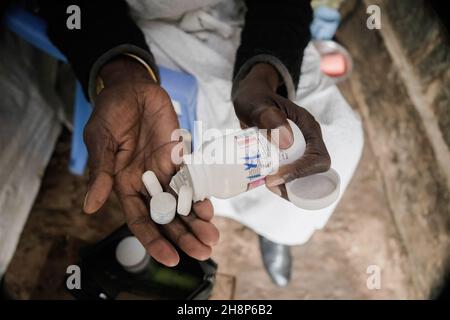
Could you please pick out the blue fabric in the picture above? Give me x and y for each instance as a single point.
(32, 29)
(181, 87)
(325, 23)
(78, 151)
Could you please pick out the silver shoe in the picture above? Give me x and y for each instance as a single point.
(277, 261)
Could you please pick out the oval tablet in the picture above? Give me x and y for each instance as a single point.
(184, 200)
(162, 208)
(151, 183)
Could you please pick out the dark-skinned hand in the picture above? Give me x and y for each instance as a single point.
(128, 133)
(257, 103)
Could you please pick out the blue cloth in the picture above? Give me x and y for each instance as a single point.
(325, 23)
(32, 29)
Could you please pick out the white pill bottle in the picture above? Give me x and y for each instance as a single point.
(235, 163)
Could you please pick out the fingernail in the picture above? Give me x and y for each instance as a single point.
(85, 200)
(286, 137)
(275, 190)
(274, 182)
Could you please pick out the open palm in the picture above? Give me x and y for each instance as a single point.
(129, 133)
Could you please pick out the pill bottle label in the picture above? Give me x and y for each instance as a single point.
(254, 152)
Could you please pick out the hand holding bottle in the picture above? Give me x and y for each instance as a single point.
(257, 103)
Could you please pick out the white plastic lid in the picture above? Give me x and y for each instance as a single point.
(314, 192)
(162, 207)
(131, 254)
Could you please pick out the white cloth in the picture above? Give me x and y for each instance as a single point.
(179, 42)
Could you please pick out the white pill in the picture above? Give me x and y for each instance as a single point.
(184, 200)
(162, 207)
(131, 255)
(151, 183)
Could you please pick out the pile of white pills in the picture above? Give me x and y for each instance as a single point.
(163, 205)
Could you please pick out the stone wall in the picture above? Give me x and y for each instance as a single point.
(401, 82)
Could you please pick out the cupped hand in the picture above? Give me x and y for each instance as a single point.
(128, 133)
(257, 103)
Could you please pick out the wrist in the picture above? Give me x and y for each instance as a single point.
(124, 69)
(262, 75)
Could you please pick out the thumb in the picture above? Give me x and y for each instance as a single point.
(307, 165)
(315, 159)
(101, 150)
(273, 118)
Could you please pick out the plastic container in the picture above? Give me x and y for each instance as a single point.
(235, 163)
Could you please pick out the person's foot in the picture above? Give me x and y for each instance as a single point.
(277, 261)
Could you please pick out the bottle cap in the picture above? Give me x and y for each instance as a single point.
(131, 255)
(316, 191)
(162, 207)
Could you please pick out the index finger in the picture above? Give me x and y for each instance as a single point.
(145, 230)
(316, 158)
(204, 210)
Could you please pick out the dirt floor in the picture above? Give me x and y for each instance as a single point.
(332, 265)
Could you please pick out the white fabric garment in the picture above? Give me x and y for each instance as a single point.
(179, 42)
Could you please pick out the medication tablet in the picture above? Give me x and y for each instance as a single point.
(184, 200)
(131, 255)
(162, 208)
(151, 183)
